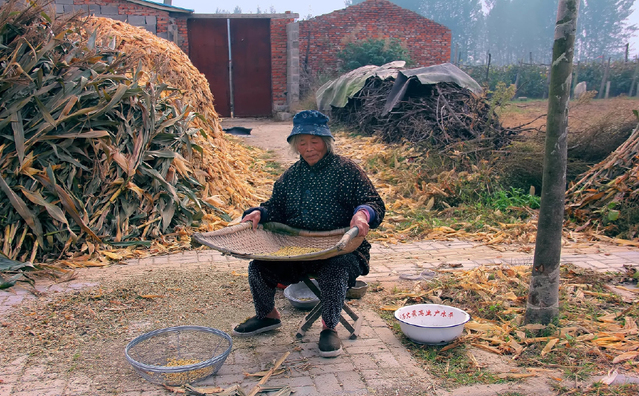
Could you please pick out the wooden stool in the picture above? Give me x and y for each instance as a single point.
(316, 312)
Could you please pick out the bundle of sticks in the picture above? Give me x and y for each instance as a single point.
(440, 115)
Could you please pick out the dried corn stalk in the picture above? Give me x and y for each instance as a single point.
(88, 154)
(608, 186)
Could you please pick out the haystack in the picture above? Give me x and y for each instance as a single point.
(225, 170)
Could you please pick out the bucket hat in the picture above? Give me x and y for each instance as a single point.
(310, 122)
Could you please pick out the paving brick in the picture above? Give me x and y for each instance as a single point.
(47, 387)
(243, 356)
(161, 259)
(78, 385)
(14, 300)
(354, 350)
(364, 362)
(153, 393)
(16, 366)
(351, 382)
(293, 382)
(225, 380)
(229, 369)
(5, 389)
(41, 392)
(385, 334)
(306, 391)
(369, 375)
(331, 367)
(386, 360)
(327, 384)
(373, 320)
(6, 379)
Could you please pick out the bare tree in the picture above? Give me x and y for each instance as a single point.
(543, 296)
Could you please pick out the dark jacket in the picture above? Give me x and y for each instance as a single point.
(324, 197)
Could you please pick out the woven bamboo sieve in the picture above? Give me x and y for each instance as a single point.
(243, 242)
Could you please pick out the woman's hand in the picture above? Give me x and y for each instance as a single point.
(360, 220)
(254, 217)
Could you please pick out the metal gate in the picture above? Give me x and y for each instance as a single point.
(239, 76)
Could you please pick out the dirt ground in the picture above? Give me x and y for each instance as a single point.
(581, 114)
(266, 134)
(83, 332)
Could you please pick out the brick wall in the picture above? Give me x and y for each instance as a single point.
(322, 37)
(278, 62)
(152, 19)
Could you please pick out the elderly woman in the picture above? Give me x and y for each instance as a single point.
(322, 191)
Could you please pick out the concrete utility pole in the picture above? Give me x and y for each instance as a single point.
(543, 296)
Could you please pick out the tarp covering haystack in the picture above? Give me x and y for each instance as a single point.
(108, 139)
(439, 105)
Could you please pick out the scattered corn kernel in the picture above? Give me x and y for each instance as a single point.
(293, 251)
(186, 376)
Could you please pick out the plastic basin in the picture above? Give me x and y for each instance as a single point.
(301, 296)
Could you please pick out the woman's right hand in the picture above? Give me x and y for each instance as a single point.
(254, 217)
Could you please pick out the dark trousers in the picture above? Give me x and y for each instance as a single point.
(333, 275)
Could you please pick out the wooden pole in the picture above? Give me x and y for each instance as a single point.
(517, 78)
(575, 81)
(604, 79)
(488, 67)
(634, 78)
(455, 54)
(627, 49)
(547, 88)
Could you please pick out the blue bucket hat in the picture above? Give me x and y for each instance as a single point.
(310, 122)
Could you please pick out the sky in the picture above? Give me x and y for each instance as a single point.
(319, 7)
(301, 7)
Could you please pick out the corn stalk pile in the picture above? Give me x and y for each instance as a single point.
(611, 185)
(595, 323)
(226, 169)
(440, 115)
(409, 189)
(89, 154)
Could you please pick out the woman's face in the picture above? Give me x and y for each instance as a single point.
(312, 148)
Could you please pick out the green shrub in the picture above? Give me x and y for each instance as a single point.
(515, 197)
(371, 52)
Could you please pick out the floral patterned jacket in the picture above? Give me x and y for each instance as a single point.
(324, 197)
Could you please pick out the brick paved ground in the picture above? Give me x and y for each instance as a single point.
(375, 363)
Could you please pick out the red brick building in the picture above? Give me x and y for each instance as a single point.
(258, 85)
(267, 51)
(164, 20)
(321, 38)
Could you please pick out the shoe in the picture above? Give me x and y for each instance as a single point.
(252, 326)
(329, 344)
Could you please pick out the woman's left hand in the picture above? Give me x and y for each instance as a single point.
(360, 221)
